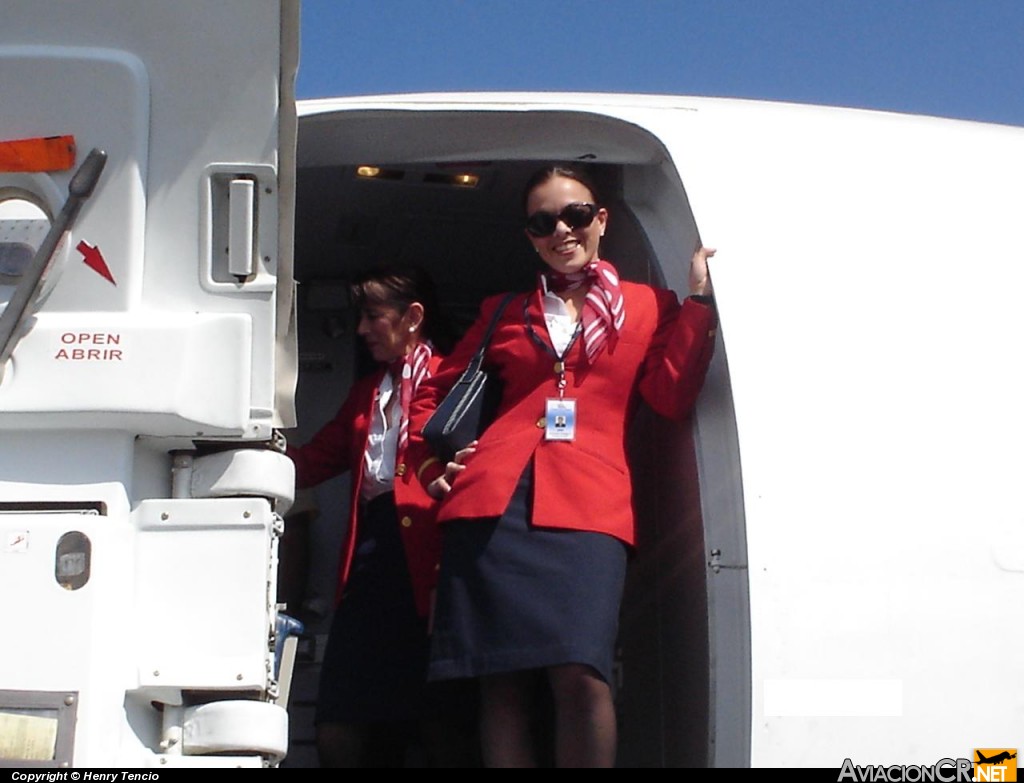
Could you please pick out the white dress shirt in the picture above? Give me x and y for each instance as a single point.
(382, 443)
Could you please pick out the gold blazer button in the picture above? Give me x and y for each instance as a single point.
(406, 521)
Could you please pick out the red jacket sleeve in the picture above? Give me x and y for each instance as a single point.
(675, 366)
(334, 449)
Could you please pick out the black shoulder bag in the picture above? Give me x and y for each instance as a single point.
(470, 406)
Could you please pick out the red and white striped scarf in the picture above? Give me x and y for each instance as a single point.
(415, 367)
(603, 310)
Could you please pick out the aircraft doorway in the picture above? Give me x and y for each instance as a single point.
(683, 669)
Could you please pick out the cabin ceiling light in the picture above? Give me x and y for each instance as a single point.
(376, 172)
(462, 180)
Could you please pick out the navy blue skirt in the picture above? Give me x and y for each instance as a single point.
(512, 596)
(374, 666)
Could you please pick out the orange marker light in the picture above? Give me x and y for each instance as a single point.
(52, 153)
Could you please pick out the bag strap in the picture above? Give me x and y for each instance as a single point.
(478, 357)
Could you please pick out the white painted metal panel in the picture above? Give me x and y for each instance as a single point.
(158, 374)
(101, 96)
(184, 638)
(170, 95)
(868, 282)
(125, 364)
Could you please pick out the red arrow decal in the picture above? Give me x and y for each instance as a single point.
(94, 260)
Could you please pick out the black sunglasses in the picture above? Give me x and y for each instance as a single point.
(578, 215)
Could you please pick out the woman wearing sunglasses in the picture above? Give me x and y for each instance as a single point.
(372, 703)
(536, 515)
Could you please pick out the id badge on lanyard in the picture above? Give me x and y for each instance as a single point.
(561, 419)
(560, 411)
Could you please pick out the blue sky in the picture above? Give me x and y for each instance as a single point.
(950, 58)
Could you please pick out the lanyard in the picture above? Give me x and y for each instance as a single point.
(559, 366)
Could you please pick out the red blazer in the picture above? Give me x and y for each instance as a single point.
(338, 447)
(661, 355)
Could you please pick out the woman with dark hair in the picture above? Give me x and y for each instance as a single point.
(537, 514)
(372, 701)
